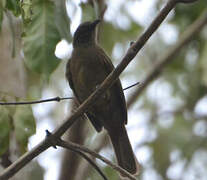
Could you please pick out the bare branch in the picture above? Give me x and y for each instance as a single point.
(90, 161)
(131, 86)
(186, 37)
(70, 145)
(36, 102)
(100, 142)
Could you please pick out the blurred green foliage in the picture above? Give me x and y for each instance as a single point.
(62, 21)
(110, 35)
(88, 13)
(24, 126)
(40, 39)
(203, 65)
(185, 15)
(26, 10)
(5, 129)
(14, 6)
(2, 5)
(173, 123)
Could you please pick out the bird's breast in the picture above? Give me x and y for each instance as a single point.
(87, 75)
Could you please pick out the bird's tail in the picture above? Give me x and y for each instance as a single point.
(124, 152)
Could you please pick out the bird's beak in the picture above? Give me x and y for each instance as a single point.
(94, 23)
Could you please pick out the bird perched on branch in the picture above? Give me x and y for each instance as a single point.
(86, 70)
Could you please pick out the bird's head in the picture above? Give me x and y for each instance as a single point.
(85, 35)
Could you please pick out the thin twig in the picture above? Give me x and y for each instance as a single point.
(135, 84)
(131, 53)
(58, 99)
(70, 145)
(90, 161)
(36, 102)
(169, 56)
(101, 142)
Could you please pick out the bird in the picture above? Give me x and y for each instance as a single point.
(87, 68)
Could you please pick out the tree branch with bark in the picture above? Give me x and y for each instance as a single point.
(108, 82)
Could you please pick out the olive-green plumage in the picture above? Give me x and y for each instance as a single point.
(85, 71)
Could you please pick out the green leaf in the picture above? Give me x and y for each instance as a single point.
(2, 5)
(203, 64)
(5, 128)
(116, 35)
(62, 20)
(88, 13)
(92, 10)
(26, 7)
(1, 17)
(185, 15)
(40, 39)
(14, 6)
(24, 126)
(110, 173)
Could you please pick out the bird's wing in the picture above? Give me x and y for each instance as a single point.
(98, 126)
(69, 76)
(117, 85)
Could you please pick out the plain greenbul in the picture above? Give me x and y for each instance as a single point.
(86, 70)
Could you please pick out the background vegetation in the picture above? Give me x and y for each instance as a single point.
(167, 122)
